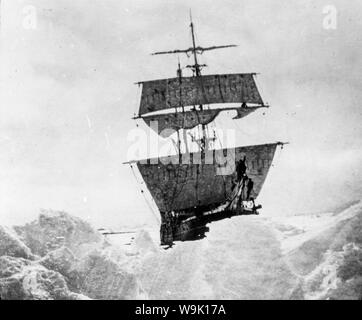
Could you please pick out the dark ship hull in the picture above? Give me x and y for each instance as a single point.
(191, 195)
(182, 228)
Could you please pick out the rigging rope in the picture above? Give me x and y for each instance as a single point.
(143, 193)
(223, 178)
(139, 93)
(277, 156)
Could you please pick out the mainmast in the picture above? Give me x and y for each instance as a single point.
(195, 50)
(197, 69)
(192, 93)
(196, 66)
(179, 76)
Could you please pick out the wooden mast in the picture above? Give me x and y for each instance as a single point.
(197, 69)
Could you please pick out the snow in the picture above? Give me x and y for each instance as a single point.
(293, 231)
(315, 256)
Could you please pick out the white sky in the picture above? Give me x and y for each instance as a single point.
(67, 96)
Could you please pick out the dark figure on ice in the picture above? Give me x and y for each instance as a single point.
(167, 228)
(241, 169)
(249, 187)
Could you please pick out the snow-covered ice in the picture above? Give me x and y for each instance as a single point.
(246, 257)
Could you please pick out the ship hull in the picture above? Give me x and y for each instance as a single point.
(195, 227)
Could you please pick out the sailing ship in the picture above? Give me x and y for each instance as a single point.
(194, 187)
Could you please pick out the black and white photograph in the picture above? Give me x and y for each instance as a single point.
(180, 150)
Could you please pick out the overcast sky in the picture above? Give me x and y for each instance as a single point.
(67, 96)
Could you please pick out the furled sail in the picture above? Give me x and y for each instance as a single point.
(166, 124)
(191, 91)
